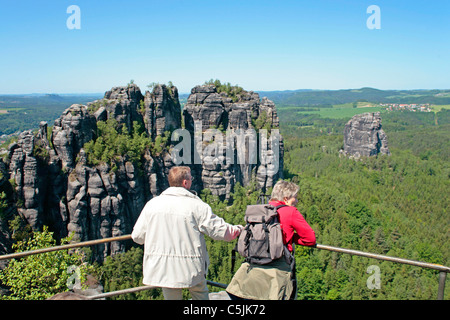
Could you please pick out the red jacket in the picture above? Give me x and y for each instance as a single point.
(295, 228)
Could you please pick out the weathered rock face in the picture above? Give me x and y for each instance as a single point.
(122, 104)
(363, 136)
(71, 131)
(53, 184)
(5, 236)
(26, 174)
(101, 203)
(162, 110)
(207, 110)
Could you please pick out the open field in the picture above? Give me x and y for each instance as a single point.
(345, 110)
(338, 111)
(437, 108)
(5, 110)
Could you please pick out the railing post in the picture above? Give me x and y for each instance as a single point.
(442, 278)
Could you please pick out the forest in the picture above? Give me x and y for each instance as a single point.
(24, 112)
(395, 205)
(315, 97)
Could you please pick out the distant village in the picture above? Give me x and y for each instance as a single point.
(408, 107)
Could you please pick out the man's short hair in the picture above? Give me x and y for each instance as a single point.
(178, 174)
(284, 189)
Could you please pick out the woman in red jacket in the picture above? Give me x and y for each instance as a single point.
(276, 280)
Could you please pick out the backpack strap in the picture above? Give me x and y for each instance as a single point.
(288, 256)
(233, 257)
(235, 249)
(280, 206)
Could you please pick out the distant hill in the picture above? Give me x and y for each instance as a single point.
(45, 100)
(19, 112)
(322, 97)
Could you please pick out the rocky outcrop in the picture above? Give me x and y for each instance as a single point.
(71, 131)
(162, 110)
(53, 183)
(364, 137)
(5, 213)
(122, 104)
(55, 186)
(27, 178)
(100, 202)
(81, 291)
(241, 119)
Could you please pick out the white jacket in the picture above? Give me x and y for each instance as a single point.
(171, 227)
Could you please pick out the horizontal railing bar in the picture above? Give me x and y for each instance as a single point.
(318, 246)
(421, 264)
(119, 292)
(217, 284)
(64, 247)
(385, 258)
(143, 288)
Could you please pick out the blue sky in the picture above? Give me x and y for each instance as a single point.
(260, 45)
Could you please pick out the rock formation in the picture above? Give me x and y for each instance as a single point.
(206, 108)
(5, 213)
(53, 183)
(363, 136)
(162, 110)
(27, 177)
(71, 131)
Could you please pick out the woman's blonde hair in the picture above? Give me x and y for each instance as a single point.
(284, 189)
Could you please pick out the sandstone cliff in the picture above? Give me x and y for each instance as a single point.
(53, 183)
(363, 136)
(5, 213)
(214, 110)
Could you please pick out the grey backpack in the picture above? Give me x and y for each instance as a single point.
(261, 241)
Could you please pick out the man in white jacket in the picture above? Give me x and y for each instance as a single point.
(172, 227)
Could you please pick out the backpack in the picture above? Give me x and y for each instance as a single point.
(261, 241)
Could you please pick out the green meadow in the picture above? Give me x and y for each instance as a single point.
(338, 111)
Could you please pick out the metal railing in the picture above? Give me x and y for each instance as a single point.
(443, 270)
